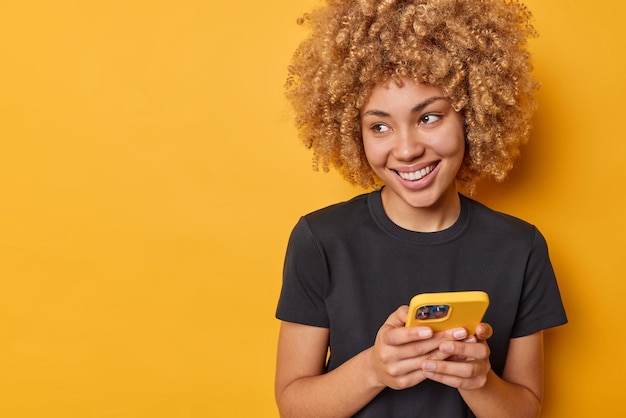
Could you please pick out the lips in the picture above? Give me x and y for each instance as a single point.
(417, 174)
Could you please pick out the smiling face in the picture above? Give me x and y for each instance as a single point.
(414, 142)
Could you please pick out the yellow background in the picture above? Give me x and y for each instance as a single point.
(150, 175)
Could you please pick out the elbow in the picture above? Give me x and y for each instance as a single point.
(286, 409)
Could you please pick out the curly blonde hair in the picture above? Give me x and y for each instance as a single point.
(474, 50)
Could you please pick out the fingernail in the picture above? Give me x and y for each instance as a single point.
(459, 334)
(425, 333)
(428, 366)
(447, 347)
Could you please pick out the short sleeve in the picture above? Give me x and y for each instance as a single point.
(305, 278)
(540, 306)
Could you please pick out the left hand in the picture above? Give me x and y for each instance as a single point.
(468, 364)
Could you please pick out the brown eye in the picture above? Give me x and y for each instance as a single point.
(429, 118)
(379, 128)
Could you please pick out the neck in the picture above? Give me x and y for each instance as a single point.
(431, 218)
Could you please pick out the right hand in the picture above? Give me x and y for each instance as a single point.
(399, 351)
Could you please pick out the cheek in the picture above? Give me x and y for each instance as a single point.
(452, 145)
(452, 138)
(374, 153)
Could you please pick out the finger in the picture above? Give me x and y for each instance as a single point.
(398, 318)
(456, 381)
(394, 331)
(483, 331)
(417, 341)
(408, 372)
(397, 336)
(405, 375)
(453, 334)
(465, 350)
(401, 336)
(412, 363)
(452, 372)
(407, 358)
(421, 350)
(463, 370)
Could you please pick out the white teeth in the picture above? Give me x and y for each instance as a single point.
(416, 175)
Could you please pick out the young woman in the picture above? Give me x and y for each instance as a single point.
(418, 99)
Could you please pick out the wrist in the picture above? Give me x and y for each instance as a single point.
(372, 377)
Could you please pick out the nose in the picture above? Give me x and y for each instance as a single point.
(408, 146)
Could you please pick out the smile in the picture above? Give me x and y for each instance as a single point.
(416, 175)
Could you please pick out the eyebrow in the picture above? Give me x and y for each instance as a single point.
(416, 108)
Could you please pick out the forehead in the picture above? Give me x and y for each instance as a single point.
(389, 95)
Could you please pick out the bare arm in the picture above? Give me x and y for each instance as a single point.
(302, 387)
(517, 394)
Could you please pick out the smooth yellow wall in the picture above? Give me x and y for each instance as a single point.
(150, 176)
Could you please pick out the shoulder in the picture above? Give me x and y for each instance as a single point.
(340, 209)
(498, 220)
(339, 221)
(503, 227)
(340, 215)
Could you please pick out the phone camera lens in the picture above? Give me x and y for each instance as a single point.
(440, 311)
(423, 312)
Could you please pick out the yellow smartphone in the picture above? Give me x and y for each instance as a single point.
(441, 311)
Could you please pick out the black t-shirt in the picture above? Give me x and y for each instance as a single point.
(348, 267)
